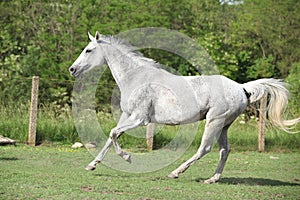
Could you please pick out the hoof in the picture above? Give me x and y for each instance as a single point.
(90, 168)
(210, 181)
(127, 158)
(213, 179)
(173, 176)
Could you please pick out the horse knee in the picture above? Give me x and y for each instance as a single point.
(224, 152)
(113, 134)
(208, 149)
(203, 151)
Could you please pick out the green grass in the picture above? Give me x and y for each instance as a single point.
(57, 172)
(55, 124)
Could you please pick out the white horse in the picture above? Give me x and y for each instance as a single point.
(151, 94)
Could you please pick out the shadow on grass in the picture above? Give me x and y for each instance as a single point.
(112, 175)
(8, 159)
(253, 182)
(154, 178)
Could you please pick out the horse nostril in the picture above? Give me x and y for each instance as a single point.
(72, 70)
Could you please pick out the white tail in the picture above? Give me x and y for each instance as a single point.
(277, 102)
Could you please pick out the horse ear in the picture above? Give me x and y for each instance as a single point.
(100, 38)
(97, 36)
(91, 37)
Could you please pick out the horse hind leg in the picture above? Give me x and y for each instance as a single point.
(212, 130)
(224, 152)
(91, 166)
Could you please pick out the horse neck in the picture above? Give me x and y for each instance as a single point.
(124, 66)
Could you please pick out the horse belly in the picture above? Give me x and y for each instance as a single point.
(171, 112)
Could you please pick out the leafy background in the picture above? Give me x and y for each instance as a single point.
(250, 40)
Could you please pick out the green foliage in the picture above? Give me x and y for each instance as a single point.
(269, 31)
(54, 124)
(255, 39)
(294, 81)
(247, 41)
(262, 68)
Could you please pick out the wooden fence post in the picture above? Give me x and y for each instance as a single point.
(149, 136)
(33, 111)
(262, 123)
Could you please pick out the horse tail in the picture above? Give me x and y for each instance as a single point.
(278, 100)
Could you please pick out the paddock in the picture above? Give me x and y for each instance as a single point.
(57, 172)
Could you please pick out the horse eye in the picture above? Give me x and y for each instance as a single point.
(88, 51)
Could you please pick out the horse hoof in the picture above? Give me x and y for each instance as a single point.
(210, 181)
(127, 158)
(213, 179)
(90, 168)
(173, 176)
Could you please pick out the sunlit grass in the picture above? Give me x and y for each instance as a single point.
(55, 124)
(51, 125)
(57, 172)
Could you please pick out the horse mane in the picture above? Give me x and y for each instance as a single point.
(130, 50)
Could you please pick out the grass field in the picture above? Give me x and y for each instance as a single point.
(57, 172)
(56, 125)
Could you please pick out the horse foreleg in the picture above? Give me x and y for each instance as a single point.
(100, 156)
(126, 123)
(111, 140)
(224, 152)
(114, 134)
(212, 130)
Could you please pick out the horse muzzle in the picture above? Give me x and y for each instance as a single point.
(73, 71)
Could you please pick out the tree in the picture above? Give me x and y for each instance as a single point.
(250, 40)
(269, 31)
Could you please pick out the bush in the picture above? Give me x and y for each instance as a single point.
(294, 87)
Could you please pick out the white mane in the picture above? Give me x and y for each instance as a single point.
(130, 51)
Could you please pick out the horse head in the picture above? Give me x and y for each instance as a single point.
(92, 56)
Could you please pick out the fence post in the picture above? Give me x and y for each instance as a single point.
(149, 136)
(262, 123)
(33, 111)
